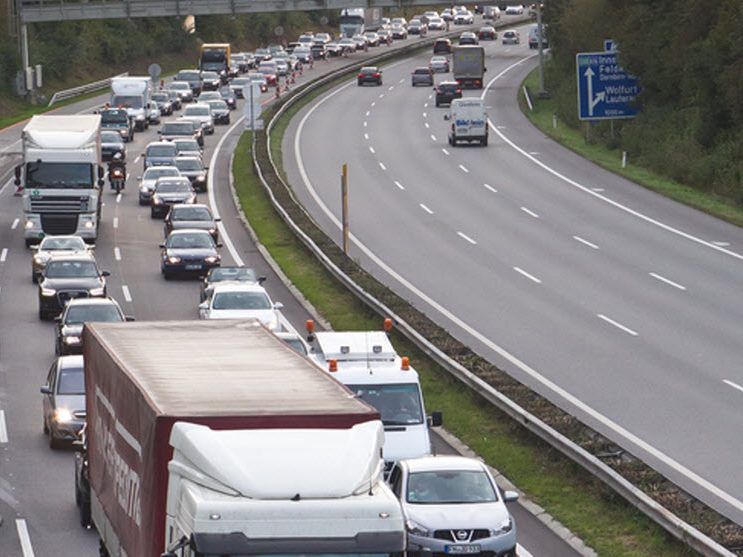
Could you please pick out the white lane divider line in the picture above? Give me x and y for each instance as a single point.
(118, 198)
(382, 166)
(127, 294)
(426, 209)
(24, 538)
(116, 222)
(15, 224)
(136, 160)
(381, 95)
(616, 324)
(399, 185)
(433, 137)
(3, 255)
(531, 277)
(464, 168)
(430, 96)
(729, 383)
(599, 190)
(445, 151)
(534, 153)
(401, 81)
(117, 254)
(464, 236)
(426, 124)
(368, 112)
(529, 212)
(585, 242)
(373, 103)
(366, 136)
(390, 88)
(425, 114)
(668, 281)
(3, 428)
(365, 123)
(502, 127)
(372, 149)
(489, 187)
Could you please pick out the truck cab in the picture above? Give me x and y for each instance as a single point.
(133, 94)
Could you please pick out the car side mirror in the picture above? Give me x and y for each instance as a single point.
(139, 178)
(105, 273)
(278, 305)
(129, 318)
(162, 246)
(217, 219)
(510, 496)
(219, 245)
(204, 305)
(46, 390)
(78, 446)
(447, 117)
(261, 280)
(100, 182)
(436, 419)
(159, 132)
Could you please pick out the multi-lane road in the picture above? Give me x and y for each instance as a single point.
(619, 305)
(36, 484)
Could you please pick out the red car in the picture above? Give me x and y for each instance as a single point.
(487, 33)
(269, 75)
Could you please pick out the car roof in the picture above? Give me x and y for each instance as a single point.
(70, 361)
(182, 231)
(159, 143)
(444, 462)
(191, 206)
(188, 158)
(107, 301)
(168, 167)
(75, 256)
(236, 286)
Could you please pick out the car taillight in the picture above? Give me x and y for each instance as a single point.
(361, 75)
(459, 91)
(377, 74)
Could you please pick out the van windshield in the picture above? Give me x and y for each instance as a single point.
(398, 404)
(127, 101)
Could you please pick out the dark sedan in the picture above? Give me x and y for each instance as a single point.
(220, 111)
(487, 33)
(188, 251)
(193, 168)
(112, 143)
(193, 78)
(159, 153)
(68, 277)
(442, 46)
(229, 96)
(169, 192)
(197, 217)
(447, 91)
(219, 275)
(163, 102)
(63, 403)
(369, 74)
(76, 314)
(210, 81)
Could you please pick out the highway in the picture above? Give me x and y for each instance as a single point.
(36, 484)
(619, 305)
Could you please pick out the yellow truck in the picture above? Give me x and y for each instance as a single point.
(215, 57)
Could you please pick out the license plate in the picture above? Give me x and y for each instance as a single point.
(462, 549)
(192, 267)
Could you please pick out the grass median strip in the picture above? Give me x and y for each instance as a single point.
(583, 504)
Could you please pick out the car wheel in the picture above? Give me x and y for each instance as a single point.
(166, 275)
(54, 443)
(46, 428)
(153, 215)
(85, 515)
(484, 142)
(42, 314)
(34, 279)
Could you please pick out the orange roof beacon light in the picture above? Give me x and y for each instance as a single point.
(387, 324)
(309, 325)
(332, 365)
(405, 365)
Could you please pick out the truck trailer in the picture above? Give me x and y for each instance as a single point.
(216, 438)
(468, 66)
(61, 176)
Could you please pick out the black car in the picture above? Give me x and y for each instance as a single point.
(163, 103)
(193, 78)
(191, 216)
(369, 74)
(227, 274)
(182, 128)
(68, 277)
(318, 51)
(174, 98)
(193, 168)
(188, 251)
(229, 96)
(442, 46)
(447, 91)
(210, 81)
(220, 111)
(112, 143)
(63, 400)
(169, 192)
(117, 119)
(78, 312)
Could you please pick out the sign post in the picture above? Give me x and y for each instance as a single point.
(252, 108)
(344, 205)
(605, 90)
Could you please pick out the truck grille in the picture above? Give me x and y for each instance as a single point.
(59, 204)
(65, 296)
(59, 223)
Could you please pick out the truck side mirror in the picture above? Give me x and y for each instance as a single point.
(129, 318)
(436, 419)
(17, 180)
(78, 446)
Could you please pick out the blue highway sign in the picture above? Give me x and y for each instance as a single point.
(605, 90)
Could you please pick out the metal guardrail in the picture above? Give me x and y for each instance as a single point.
(635, 496)
(82, 89)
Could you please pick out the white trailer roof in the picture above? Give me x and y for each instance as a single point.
(62, 131)
(356, 346)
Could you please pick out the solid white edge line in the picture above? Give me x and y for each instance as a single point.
(529, 212)
(470, 240)
(617, 324)
(3, 255)
(585, 242)
(668, 281)
(521, 551)
(117, 254)
(15, 224)
(486, 341)
(3, 428)
(24, 538)
(426, 209)
(527, 275)
(464, 168)
(732, 384)
(127, 294)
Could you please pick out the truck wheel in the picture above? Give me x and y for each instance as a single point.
(102, 551)
(85, 519)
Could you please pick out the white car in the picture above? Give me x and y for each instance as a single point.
(242, 301)
(201, 113)
(510, 37)
(464, 18)
(452, 505)
(150, 176)
(436, 24)
(515, 10)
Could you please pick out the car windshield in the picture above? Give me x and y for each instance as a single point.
(114, 117)
(187, 76)
(218, 105)
(55, 244)
(186, 145)
(173, 187)
(240, 81)
(155, 173)
(422, 71)
(71, 269)
(127, 101)
(90, 313)
(220, 274)
(399, 404)
(179, 86)
(191, 213)
(177, 128)
(161, 151)
(241, 300)
(110, 137)
(162, 97)
(187, 241)
(226, 92)
(71, 381)
(197, 111)
(450, 487)
(188, 164)
(210, 75)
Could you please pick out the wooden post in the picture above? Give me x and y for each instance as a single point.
(344, 205)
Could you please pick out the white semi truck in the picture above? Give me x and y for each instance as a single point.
(62, 176)
(134, 94)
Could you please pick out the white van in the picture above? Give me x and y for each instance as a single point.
(366, 363)
(469, 121)
(491, 12)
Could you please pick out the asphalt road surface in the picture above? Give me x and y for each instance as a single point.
(617, 304)
(36, 483)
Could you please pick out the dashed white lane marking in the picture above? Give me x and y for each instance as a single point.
(365, 124)
(373, 103)
(430, 96)
(489, 187)
(668, 281)
(399, 185)
(3, 428)
(502, 127)
(368, 112)
(445, 151)
(722, 244)
(24, 538)
(136, 160)
(585, 242)
(372, 149)
(531, 277)
(381, 95)
(3, 255)
(529, 212)
(382, 166)
(433, 137)
(426, 124)
(117, 254)
(402, 81)
(464, 168)
(15, 224)
(617, 325)
(733, 385)
(118, 198)
(116, 222)
(470, 240)
(599, 190)
(534, 153)
(426, 209)
(425, 105)
(127, 294)
(391, 87)
(425, 115)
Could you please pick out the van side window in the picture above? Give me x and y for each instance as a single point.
(395, 480)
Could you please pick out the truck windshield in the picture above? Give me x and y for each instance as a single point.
(59, 175)
(127, 101)
(398, 404)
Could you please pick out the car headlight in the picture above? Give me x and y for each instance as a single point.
(201, 178)
(40, 259)
(416, 529)
(62, 415)
(124, 132)
(139, 117)
(212, 231)
(505, 527)
(72, 340)
(48, 291)
(211, 258)
(174, 259)
(157, 201)
(98, 291)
